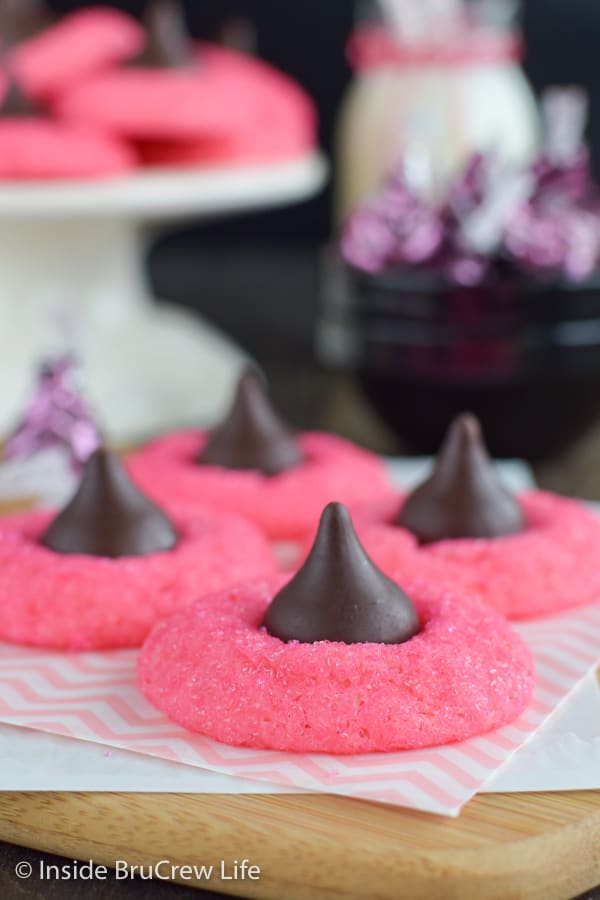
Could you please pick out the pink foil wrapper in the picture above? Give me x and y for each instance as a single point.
(57, 415)
(549, 225)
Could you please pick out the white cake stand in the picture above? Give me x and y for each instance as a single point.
(72, 257)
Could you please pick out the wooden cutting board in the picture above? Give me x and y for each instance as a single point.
(308, 847)
(538, 846)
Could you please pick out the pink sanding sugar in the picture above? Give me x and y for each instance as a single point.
(285, 506)
(77, 602)
(214, 670)
(551, 565)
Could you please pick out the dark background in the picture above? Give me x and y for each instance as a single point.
(307, 40)
(257, 275)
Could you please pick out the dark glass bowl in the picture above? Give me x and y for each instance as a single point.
(522, 354)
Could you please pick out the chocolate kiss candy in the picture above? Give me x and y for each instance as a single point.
(252, 436)
(21, 19)
(463, 498)
(108, 516)
(17, 104)
(168, 42)
(340, 595)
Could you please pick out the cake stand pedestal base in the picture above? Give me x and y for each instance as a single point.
(79, 283)
(72, 275)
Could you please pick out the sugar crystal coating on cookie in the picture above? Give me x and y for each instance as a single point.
(214, 670)
(547, 567)
(76, 602)
(253, 464)
(526, 556)
(286, 506)
(101, 572)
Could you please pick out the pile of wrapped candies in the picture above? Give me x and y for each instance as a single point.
(542, 219)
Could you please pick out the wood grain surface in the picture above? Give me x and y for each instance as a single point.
(308, 847)
(543, 846)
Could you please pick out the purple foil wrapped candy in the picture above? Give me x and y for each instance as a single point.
(468, 191)
(543, 218)
(368, 241)
(394, 228)
(536, 238)
(583, 251)
(563, 168)
(555, 238)
(57, 416)
(557, 231)
(570, 180)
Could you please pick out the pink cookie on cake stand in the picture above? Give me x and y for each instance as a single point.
(35, 147)
(102, 572)
(179, 112)
(77, 47)
(39, 149)
(283, 126)
(527, 556)
(338, 660)
(252, 465)
(150, 365)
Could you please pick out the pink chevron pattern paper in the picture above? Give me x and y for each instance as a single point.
(93, 697)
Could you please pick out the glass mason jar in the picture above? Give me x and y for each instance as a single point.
(443, 93)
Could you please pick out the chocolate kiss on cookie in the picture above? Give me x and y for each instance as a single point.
(21, 19)
(464, 497)
(168, 42)
(340, 595)
(17, 21)
(252, 436)
(17, 104)
(108, 516)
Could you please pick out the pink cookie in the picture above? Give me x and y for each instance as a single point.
(549, 567)
(212, 669)
(39, 149)
(226, 96)
(285, 506)
(285, 128)
(77, 602)
(78, 46)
